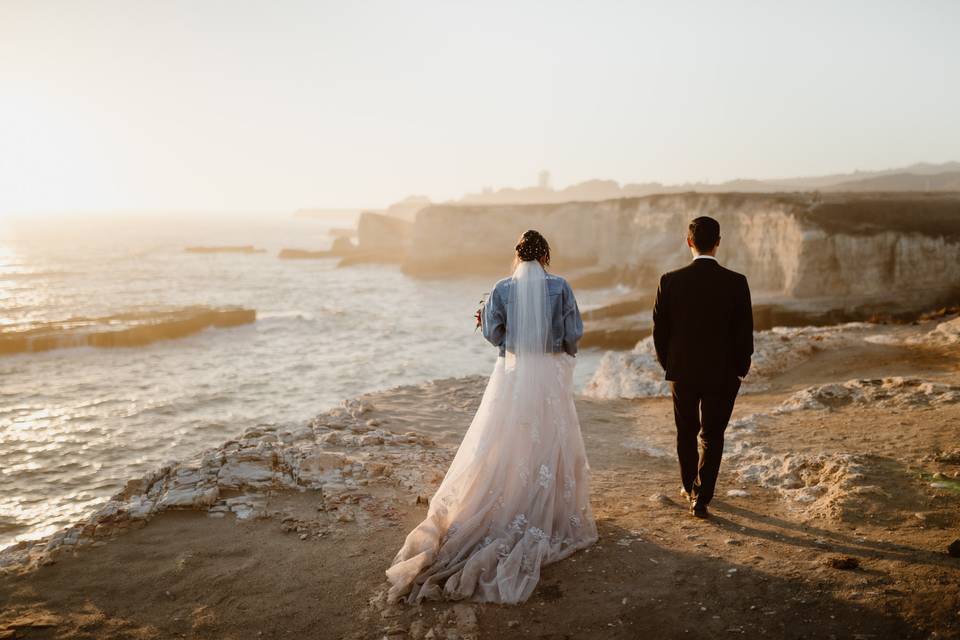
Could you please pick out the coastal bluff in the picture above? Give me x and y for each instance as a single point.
(878, 252)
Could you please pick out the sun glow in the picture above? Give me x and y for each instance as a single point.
(354, 105)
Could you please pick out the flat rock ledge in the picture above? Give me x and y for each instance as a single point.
(343, 455)
(836, 486)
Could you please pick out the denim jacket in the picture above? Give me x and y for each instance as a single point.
(566, 326)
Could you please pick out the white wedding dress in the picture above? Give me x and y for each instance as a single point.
(517, 495)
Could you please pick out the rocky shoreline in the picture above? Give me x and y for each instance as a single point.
(337, 453)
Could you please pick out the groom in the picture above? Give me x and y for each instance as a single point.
(703, 334)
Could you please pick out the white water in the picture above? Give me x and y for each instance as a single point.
(76, 423)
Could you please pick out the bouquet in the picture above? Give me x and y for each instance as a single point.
(478, 316)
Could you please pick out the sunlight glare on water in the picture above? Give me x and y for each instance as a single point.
(75, 424)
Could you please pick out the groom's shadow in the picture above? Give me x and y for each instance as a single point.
(816, 539)
(629, 586)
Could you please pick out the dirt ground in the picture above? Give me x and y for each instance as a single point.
(760, 567)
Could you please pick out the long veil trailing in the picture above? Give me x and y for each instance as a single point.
(527, 318)
(516, 496)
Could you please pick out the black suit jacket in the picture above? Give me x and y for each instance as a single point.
(703, 324)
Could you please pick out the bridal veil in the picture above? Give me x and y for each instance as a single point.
(516, 496)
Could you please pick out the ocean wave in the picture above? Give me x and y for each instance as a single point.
(16, 276)
(637, 374)
(10, 523)
(285, 315)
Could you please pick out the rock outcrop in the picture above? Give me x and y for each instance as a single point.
(380, 239)
(342, 246)
(897, 392)
(225, 249)
(832, 486)
(132, 329)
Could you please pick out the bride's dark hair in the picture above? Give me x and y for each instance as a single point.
(533, 246)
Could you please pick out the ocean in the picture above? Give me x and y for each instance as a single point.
(76, 423)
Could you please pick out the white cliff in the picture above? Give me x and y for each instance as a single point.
(873, 253)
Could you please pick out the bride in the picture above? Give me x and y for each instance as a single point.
(516, 496)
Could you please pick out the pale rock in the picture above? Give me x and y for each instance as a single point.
(139, 508)
(248, 507)
(375, 469)
(885, 392)
(317, 467)
(189, 497)
(109, 511)
(830, 485)
(236, 474)
(332, 438)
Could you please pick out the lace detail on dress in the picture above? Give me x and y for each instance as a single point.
(544, 478)
(519, 524)
(526, 564)
(524, 472)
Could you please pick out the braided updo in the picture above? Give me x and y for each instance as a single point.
(533, 246)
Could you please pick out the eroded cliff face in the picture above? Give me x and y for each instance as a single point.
(911, 265)
(792, 247)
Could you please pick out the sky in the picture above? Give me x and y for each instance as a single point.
(201, 105)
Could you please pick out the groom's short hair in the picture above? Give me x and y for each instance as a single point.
(705, 233)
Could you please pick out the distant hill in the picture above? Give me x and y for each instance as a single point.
(822, 182)
(922, 176)
(947, 181)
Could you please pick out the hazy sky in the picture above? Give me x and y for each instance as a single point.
(276, 105)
